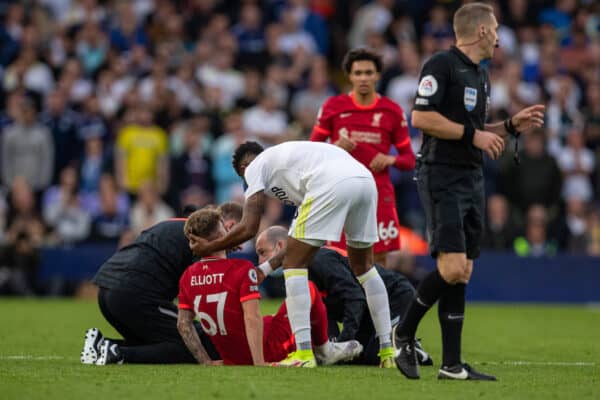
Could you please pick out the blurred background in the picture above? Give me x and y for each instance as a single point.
(114, 114)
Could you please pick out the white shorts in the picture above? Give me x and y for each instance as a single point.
(349, 205)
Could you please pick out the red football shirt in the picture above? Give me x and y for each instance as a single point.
(215, 290)
(375, 128)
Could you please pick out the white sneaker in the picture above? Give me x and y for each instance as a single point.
(338, 351)
(91, 346)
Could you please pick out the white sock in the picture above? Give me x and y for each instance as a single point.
(297, 301)
(379, 306)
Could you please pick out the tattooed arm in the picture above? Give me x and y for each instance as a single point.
(185, 326)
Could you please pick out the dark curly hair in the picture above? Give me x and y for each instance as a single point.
(361, 54)
(242, 151)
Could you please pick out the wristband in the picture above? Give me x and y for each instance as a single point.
(510, 128)
(265, 268)
(468, 134)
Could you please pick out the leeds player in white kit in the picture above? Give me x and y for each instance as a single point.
(334, 193)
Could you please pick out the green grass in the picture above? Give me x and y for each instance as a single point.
(40, 342)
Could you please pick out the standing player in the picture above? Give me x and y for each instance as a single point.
(367, 124)
(224, 295)
(451, 109)
(334, 193)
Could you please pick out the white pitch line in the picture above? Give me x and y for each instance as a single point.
(30, 357)
(541, 363)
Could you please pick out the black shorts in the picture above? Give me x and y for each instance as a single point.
(454, 202)
(145, 320)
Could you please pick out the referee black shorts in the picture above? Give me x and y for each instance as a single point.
(454, 202)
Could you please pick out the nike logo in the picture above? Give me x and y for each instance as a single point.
(458, 316)
(344, 115)
(463, 374)
(113, 349)
(463, 70)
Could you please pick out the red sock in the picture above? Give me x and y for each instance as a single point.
(318, 317)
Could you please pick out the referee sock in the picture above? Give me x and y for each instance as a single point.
(451, 312)
(298, 305)
(379, 306)
(428, 292)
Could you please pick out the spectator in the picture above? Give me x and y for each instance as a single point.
(226, 179)
(500, 231)
(149, 209)
(111, 220)
(74, 83)
(563, 113)
(23, 216)
(63, 212)
(29, 72)
(535, 242)
(308, 101)
(94, 163)
(251, 95)
(192, 168)
(293, 36)
(19, 262)
(537, 180)
(265, 121)
(376, 15)
(401, 89)
(141, 153)
(576, 223)
(63, 123)
(250, 36)
(91, 47)
(221, 75)
(126, 32)
(27, 149)
(577, 165)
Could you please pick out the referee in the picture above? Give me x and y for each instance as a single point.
(451, 109)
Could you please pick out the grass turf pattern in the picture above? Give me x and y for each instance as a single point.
(536, 351)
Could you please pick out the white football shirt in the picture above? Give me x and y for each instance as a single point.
(289, 170)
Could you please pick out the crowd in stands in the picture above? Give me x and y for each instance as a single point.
(116, 113)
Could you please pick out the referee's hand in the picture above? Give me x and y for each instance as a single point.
(492, 144)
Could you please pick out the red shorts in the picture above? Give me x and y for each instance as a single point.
(387, 225)
(278, 340)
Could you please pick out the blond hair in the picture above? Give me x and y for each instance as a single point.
(468, 17)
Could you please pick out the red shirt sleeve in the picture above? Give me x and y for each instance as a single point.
(324, 126)
(248, 282)
(405, 160)
(185, 303)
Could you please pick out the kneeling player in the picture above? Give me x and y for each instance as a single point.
(223, 295)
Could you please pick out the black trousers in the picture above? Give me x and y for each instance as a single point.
(149, 328)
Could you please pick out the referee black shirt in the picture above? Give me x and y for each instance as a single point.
(454, 86)
(152, 265)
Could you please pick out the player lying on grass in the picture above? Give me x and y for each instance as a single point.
(343, 296)
(223, 295)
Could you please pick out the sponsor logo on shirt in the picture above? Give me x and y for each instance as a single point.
(345, 115)
(280, 194)
(364, 136)
(421, 101)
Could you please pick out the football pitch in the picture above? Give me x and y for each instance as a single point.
(537, 352)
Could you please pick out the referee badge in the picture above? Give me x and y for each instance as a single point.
(470, 98)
